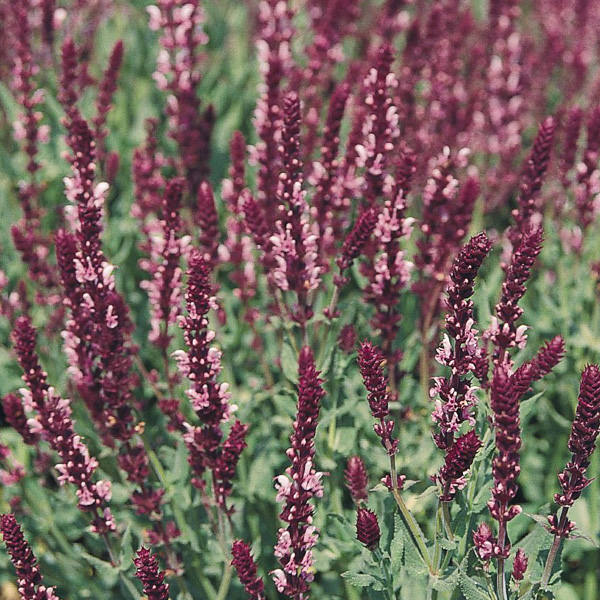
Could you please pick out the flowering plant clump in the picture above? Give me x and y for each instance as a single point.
(296, 297)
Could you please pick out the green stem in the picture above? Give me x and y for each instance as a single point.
(500, 574)
(225, 582)
(130, 587)
(447, 520)
(554, 549)
(389, 591)
(409, 519)
(113, 559)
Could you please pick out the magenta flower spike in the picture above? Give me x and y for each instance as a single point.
(584, 432)
(29, 578)
(152, 578)
(298, 486)
(245, 567)
(53, 422)
(504, 332)
(367, 528)
(370, 362)
(357, 479)
(459, 351)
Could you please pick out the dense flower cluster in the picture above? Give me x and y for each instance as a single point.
(504, 331)
(585, 430)
(298, 486)
(246, 569)
(201, 364)
(455, 396)
(357, 479)
(53, 423)
(370, 362)
(178, 73)
(152, 578)
(295, 246)
(384, 132)
(30, 581)
(367, 528)
(167, 248)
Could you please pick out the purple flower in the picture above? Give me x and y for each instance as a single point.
(380, 128)
(67, 94)
(164, 289)
(588, 187)
(273, 46)
(207, 219)
(106, 91)
(178, 73)
(357, 479)
(504, 331)
(388, 269)
(519, 565)
(147, 161)
(28, 573)
(298, 486)
(246, 569)
(584, 431)
(152, 578)
(356, 240)
(201, 364)
(531, 180)
(98, 331)
(447, 210)
(324, 171)
(572, 130)
(367, 528)
(370, 361)
(547, 357)
(15, 416)
(455, 396)
(230, 455)
(459, 458)
(295, 241)
(54, 424)
(505, 466)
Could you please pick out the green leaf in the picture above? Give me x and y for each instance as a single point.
(397, 544)
(359, 579)
(289, 363)
(471, 589)
(448, 583)
(126, 551)
(105, 570)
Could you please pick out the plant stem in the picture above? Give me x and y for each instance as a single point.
(225, 582)
(334, 300)
(554, 549)
(550, 561)
(447, 520)
(500, 575)
(130, 587)
(113, 559)
(409, 519)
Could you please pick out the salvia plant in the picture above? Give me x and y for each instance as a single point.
(299, 299)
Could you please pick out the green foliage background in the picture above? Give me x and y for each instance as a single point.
(562, 299)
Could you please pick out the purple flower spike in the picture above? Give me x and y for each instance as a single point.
(357, 479)
(298, 486)
(367, 528)
(584, 431)
(459, 459)
(28, 574)
(246, 569)
(519, 565)
(370, 362)
(152, 578)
